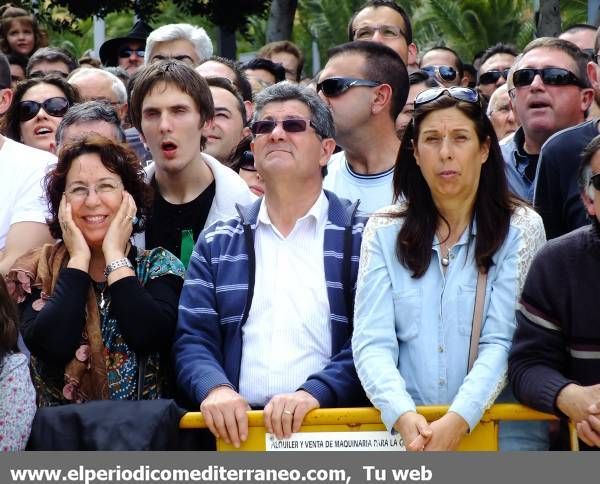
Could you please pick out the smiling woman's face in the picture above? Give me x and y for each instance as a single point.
(40, 131)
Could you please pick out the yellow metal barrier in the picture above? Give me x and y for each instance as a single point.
(483, 438)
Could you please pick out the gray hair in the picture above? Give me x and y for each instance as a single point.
(286, 91)
(503, 89)
(118, 88)
(51, 54)
(89, 112)
(196, 35)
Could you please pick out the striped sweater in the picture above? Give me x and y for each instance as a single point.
(557, 341)
(217, 296)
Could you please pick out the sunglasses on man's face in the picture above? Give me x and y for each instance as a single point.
(247, 161)
(458, 93)
(124, 53)
(291, 125)
(492, 77)
(54, 106)
(336, 86)
(552, 76)
(446, 73)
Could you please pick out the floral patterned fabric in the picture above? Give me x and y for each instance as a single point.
(17, 402)
(122, 366)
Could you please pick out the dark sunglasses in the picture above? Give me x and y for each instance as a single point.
(595, 181)
(335, 86)
(292, 125)
(54, 106)
(123, 53)
(447, 73)
(459, 93)
(589, 53)
(552, 76)
(491, 77)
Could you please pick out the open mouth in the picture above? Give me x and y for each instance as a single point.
(538, 105)
(168, 147)
(95, 219)
(42, 131)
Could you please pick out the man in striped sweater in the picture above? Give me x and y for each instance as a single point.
(265, 315)
(554, 364)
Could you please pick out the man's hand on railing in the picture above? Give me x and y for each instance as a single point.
(582, 405)
(224, 412)
(285, 412)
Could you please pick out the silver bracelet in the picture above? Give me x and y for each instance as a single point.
(117, 264)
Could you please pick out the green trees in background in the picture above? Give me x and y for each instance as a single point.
(465, 25)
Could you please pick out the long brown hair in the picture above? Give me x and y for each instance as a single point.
(493, 203)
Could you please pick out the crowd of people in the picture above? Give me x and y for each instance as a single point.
(234, 236)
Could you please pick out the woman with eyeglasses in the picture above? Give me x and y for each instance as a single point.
(440, 274)
(98, 315)
(38, 106)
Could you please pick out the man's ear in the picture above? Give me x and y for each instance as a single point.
(413, 53)
(6, 97)
(588, 201)
(383, 96)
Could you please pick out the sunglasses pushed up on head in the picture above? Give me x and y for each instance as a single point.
(459, 93)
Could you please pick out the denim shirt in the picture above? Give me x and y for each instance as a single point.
(411, 336)
(516, 162)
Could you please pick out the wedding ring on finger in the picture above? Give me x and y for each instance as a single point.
(288, 412)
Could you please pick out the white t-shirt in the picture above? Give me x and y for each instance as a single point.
(22, 170)
(374, 191)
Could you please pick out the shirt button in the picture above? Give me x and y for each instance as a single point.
(442, 382)
(440, 349)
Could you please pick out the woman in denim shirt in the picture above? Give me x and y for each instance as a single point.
(419, 268)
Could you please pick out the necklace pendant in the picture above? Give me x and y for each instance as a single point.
(445, 261)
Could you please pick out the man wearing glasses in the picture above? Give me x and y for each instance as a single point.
(385, 22)
(558, 197)
(554, 363)
(444, 65)
(366, 85)
(495, 64)
(127, 51)
(265, 315)
(183, 42)
(551, 92)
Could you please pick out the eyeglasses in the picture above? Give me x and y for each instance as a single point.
(595, 181)
(552, 76)
(54, 106)
(492, 77)
(124, 53)
(81, 192)
(387, 32)
(291, 125)
(186, 59)
(446, 73)
(336, 86)
(36, 74)
(459, 93)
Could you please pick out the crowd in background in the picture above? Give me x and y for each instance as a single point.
(235, 236)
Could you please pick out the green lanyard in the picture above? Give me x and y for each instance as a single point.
(187, 245)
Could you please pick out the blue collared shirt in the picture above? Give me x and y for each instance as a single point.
(516, 162)
(411, 336)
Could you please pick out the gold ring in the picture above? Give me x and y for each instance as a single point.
(288, 412)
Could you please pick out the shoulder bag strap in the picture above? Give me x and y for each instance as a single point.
(477, 318)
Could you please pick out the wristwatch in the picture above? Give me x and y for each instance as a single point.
(117, 264)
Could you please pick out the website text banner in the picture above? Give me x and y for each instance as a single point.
(297, 467)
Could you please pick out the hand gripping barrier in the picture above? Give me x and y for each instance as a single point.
(483, 438)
